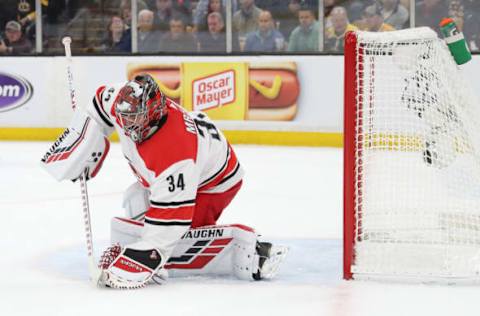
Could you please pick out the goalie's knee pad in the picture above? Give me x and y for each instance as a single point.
(136, 201)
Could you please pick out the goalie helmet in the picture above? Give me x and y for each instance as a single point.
(139, 107)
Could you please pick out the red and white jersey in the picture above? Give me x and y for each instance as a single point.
(186, 155)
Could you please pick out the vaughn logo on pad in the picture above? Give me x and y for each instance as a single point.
(15, 91)
(213, 91)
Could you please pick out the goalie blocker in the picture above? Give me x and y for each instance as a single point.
(81, 147)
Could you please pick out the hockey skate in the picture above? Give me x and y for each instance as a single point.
(269, 259)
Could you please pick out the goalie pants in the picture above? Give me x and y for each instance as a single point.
(209, 206)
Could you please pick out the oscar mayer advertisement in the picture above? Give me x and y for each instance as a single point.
(264, 91)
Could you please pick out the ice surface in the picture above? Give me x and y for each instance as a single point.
(291, 195)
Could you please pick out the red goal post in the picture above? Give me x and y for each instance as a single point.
(350, 88)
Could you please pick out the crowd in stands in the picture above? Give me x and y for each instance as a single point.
(189, 26)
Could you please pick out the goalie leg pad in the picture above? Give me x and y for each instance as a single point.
(224, 250)
(212, 250)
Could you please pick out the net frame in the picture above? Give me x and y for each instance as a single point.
(357, 96)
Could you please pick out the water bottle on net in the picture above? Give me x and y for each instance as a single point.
(455, 41)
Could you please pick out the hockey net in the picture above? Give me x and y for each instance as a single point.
(412, 164)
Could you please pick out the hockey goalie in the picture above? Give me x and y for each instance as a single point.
(187, 175)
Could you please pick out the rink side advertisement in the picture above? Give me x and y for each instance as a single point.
(261, 91)
(219, 89)
(274, 95)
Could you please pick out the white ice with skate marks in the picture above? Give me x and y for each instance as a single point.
(293, 196)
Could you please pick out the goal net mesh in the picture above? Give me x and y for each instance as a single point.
(417, 199)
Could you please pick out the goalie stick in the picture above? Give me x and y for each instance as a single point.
(94, 271)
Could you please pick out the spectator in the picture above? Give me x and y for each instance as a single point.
(456, 11)
(355, 11)
(126, 10)
(16, 10)
(329, 5)
(213, 6)
(201, 10)
(335, 34)
(430, 12)
(279, 9)
(118, 37)
(148, 38)
(471, 28)
(26, 17)
(266, 38)
(87, 28)
(290, 19)
(178, 40)
(183, 9)
(56, 16)
(395, 14)
(245, 19)
(304, 37)
(374, 20)
(163, 14)
(62, 11)
(8, 12)
(165, 9)
(214, 40)
(14, 42)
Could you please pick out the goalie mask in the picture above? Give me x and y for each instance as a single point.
(139, 107)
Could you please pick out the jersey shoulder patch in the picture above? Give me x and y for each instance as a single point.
(103, 102)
